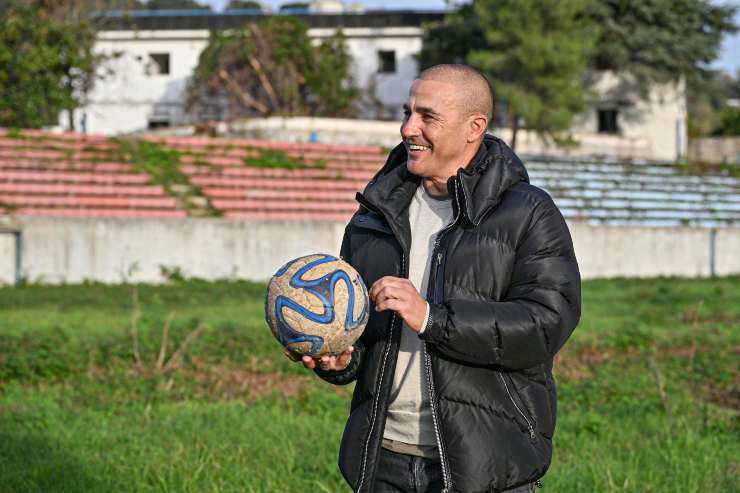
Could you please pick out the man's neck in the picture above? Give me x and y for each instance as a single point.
(436, 186)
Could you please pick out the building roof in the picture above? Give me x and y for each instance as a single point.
(94, 176)
(203, 19)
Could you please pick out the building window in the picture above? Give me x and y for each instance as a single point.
(608, 123)
(386, 62)
(159, 64)
(152, 124)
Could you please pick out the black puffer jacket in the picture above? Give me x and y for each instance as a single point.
(505, 295)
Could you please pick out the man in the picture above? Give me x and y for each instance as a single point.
(475, 288)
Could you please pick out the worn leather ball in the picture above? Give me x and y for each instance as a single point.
(316, 305)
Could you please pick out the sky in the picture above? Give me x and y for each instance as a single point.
(729, 56)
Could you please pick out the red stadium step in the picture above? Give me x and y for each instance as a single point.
(96, 212)
(100, 167)
(203, 142)
(316, 173)
(223, 182)
(74, 189)
(301, 195)
(74, 177)
(289, 216)
(64, 201)
(281, 205)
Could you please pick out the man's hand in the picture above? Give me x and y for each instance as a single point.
(399, 295)
(335, 363)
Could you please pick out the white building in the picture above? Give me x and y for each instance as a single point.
(156, 52)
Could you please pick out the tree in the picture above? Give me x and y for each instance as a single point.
(707, 98)
(46, 64)
(729, 124)
(450, 40)
(176, 5)
(658, 40)
(243, 4)
(294, 6)
(646, 41)
(271, 68)
(534, 53)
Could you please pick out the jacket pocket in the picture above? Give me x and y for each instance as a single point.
(518, 404)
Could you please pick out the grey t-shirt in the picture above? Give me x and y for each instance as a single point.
(409, 418)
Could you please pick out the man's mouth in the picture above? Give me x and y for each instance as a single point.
(417, 147)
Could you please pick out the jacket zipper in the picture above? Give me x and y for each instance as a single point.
(379, 387)
(361, 199)
(437, 258)
(511, 397)
(443, 460)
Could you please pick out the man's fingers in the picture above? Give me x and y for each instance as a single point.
(344, 358)
(383, 282)
(325, 363)
(338, 362)
(389, 291)
(309, 362)
(389, 304)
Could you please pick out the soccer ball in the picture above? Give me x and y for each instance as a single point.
(316, 305)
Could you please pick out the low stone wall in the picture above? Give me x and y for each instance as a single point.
(112, 250)
(715, 150)
(387, 134)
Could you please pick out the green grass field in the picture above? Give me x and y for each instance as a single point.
(649, 392)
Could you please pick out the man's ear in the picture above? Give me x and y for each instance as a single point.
(478, 124)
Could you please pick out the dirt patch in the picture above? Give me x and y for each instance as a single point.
(247, 384)
(728, 397)
(199, 379)
(578, 363)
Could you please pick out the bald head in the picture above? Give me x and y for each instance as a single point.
(472, 91)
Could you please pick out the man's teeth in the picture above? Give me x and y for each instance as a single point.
(416, 147)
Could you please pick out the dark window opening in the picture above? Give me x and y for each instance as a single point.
(159, 64)
(158, 124)
(386, 62)
(608, 123)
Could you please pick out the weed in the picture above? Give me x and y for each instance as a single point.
(163, 167)
(702, 168)
(272, 158)
(14, 133)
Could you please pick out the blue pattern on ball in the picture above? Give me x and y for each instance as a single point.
(323, 288)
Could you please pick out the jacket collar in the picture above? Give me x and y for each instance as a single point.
(493, 170)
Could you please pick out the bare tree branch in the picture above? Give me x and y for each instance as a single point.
(245, 98)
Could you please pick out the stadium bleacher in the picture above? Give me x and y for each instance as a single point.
(71, 174)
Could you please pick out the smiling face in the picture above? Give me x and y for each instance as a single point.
(439, 137)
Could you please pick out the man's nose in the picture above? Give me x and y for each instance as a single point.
(410, 127)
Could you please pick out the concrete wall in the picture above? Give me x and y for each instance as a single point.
(715, 150)
(114, 250)
(57, 250)
(628, 251)
(7, 257)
